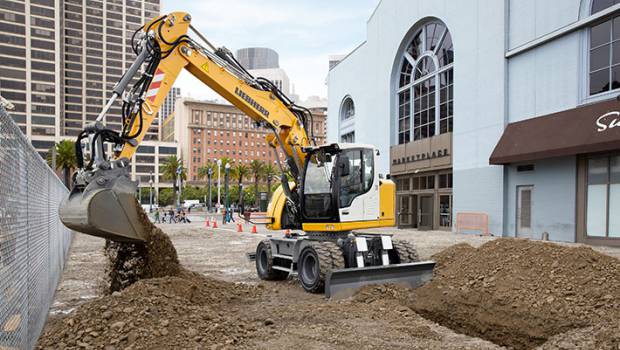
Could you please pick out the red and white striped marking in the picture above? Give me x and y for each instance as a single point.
(155, 84)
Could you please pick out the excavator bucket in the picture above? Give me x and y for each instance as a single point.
(346, 282)
(106, 207)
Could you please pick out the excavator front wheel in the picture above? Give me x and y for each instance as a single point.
(315, 261)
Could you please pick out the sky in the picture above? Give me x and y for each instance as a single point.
(303, 32)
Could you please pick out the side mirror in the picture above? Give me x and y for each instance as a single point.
(343, 164)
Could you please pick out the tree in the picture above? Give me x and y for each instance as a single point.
(169, 170)
(257, 168)
(240, 172)
(166, 196)
(270, 173)
(65, 159)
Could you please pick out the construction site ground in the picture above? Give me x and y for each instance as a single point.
(259, 314)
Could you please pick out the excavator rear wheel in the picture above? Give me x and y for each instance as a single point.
(403, 252)
(264, 263)
(315, 261)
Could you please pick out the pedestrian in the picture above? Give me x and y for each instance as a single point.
(157, 217)
(224, 213)
(171, 214)
(231, 216)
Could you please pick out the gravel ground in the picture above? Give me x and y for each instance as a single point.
(377, 319)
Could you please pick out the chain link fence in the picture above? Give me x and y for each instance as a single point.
(33, 241)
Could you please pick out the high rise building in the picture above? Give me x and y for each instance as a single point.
(258, 58)
(60, 59)
(264, 62)
(167, 109)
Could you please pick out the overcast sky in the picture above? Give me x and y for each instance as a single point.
(303, 33)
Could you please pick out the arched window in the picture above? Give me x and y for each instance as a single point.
(604, 51)
(425, 94)
(347, 111)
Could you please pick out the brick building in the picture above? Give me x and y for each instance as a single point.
(209, 130)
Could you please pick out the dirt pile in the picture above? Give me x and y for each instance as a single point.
(187, 311)
(131, 262)
(519, 293)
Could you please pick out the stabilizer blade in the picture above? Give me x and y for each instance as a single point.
(345, 282)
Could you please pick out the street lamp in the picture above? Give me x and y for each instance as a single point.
(179, 183)
(151, 192)
(219, 203)
(209, 175)
(226, 195)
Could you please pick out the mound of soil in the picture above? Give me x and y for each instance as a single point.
(519, 293)
(180, 312)
(131, 262)
(605, 336)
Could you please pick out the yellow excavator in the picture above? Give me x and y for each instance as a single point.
(334, 193)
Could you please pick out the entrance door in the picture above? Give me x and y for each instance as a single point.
(404, 211)
(524, 211)
(425, 212)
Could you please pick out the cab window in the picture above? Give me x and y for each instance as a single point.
(356, 174)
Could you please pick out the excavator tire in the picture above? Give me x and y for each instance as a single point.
(315, 261)
(403, 252)
(264, 263)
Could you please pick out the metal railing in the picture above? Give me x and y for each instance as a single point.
(33, 242)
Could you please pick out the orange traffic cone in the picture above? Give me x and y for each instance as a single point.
(207, 223)
(254, 229)
(214, 224)
(239, 227)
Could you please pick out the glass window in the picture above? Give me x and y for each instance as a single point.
(604, 53)
(445, 210)
(348, 109)
(351, 184)
(368, 163)
(429, 57)
(317, 186)
(603, 197)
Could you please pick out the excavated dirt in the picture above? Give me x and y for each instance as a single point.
(131, 262)
(519, 293)
(515, 293)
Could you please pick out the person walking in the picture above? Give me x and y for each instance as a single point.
(171, 214)
(231, 216)
(157, 217)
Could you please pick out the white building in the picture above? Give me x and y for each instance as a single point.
(494, 107)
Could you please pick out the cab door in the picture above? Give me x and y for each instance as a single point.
(358, 186)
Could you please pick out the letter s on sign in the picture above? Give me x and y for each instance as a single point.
(600, 121)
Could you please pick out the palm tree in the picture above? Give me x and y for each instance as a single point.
(270, 172)
(240, 172)
(65, 158)
(257, 168)
(203, 171)
(169, 170)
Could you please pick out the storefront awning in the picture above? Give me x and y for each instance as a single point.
(587, 129)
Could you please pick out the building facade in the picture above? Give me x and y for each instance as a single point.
(60, 59)
(208, 131)
(503, 108)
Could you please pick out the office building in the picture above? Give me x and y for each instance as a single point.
(60, 59)
(503, 108)
(208, 131)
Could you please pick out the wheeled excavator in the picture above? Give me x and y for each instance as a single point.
(327, 193)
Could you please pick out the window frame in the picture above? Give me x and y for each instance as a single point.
(435, 75)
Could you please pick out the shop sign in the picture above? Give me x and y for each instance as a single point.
(607, 121)
(421, 156)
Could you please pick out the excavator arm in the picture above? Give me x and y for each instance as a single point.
(217, 69)
(102, 186)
